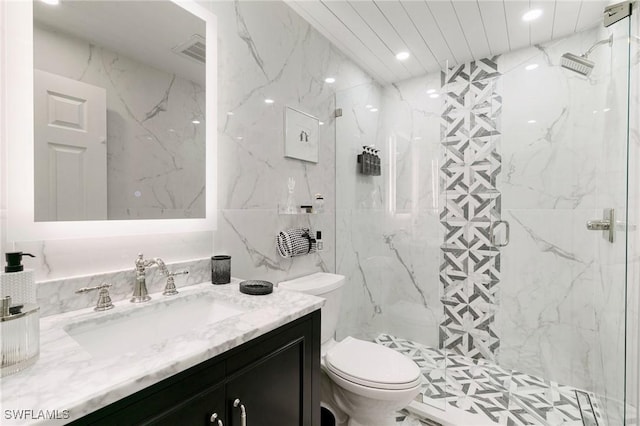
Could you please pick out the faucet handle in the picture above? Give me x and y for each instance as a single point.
(104, 300)
(170, 288)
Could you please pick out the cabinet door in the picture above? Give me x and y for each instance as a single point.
(271, 390)
(196, 411)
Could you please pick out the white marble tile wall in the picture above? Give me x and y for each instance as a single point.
(387, 238)
(564, 150)
(155, 166)
(267, 51)
(58, 296)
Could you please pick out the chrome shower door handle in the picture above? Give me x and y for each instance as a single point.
(607, 225)
(494, 240)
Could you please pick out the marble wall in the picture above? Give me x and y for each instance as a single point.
(265, 50)
(387, 238)
(564, 161)
(155, 154)
(268, 51)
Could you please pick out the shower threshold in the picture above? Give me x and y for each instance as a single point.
(461, 391)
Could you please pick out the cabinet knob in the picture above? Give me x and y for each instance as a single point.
(214, 418)
(243, 412)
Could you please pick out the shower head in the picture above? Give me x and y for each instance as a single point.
(579, 64)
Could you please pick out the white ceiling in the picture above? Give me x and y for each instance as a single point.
(438, 33)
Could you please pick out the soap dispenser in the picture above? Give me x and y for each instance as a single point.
(17, 282)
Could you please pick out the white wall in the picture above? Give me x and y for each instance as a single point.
(264, 50)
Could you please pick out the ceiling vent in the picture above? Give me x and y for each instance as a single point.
(195, 49)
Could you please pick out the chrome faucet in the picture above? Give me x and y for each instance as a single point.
(140, 293)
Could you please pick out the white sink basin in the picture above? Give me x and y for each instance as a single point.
(139, 327)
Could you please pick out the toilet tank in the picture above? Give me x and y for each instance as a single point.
(325, 285)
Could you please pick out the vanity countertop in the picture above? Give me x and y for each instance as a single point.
(67, 382)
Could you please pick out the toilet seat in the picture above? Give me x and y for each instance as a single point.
(370, 365)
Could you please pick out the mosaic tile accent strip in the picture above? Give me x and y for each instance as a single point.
(470, 269)
(480, 387)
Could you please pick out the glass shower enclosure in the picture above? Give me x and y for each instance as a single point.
(497, 247)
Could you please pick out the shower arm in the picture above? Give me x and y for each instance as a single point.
(607, 40)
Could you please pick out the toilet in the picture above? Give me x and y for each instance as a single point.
(363, 384)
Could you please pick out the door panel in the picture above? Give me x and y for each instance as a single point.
(271, 390)
(70, 149)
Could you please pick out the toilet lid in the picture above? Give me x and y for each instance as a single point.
(372, 365)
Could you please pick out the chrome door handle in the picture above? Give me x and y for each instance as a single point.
(607, 225)
(214, 418)
(243, 412)
(598, 225)
(507, 233)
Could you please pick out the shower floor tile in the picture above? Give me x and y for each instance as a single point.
(482, 388)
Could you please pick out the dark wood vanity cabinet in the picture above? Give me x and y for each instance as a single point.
(276, 377)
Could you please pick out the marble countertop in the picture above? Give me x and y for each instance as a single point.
(67, 382)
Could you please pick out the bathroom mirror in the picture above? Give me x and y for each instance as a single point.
(150, 67)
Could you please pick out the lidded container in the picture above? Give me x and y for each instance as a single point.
(19, 316)
(19, 336)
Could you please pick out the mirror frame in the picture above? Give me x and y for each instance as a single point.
(18, 134)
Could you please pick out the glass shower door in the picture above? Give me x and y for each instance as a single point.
(561, 313)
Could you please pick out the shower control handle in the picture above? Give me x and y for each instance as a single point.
(598, 225)
(607, 225)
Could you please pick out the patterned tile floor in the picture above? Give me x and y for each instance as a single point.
(480, 387)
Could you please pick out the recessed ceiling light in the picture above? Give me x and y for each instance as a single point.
(430, 91)
(374, 110)
(269, 101)
(329, 80)
(531, 121)
(368, 106)
(434, 95)
(401, 56)
(195, 121)
(321, 123)
(51, 2)
(531, 67)
(531, 15)
(606, 110)
(239, 138)
(230, 113)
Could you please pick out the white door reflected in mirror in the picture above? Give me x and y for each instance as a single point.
(70, 149)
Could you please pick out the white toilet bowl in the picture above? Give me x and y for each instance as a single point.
(369, 382)
(362, 381)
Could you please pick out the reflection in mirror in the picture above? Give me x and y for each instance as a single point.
(119, 111)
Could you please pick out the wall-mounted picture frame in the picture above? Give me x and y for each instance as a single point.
(301, 135)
